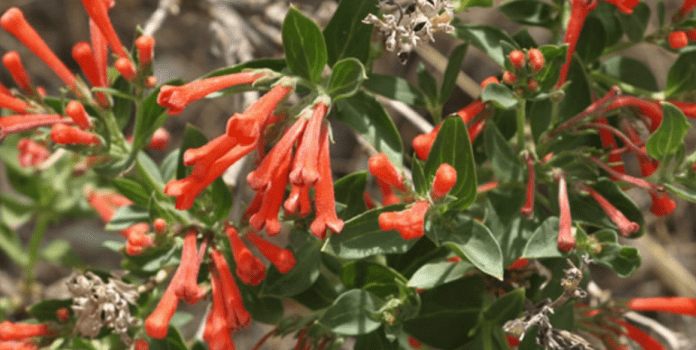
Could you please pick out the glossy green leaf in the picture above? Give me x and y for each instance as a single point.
(669, 136)
(346, 35)
(303, 42)
(577, 94)
(15, 210)
(346, 77)
(446, 317)
(122, 107)
(173, 341)
(45, 310)
(126, 217)
(299, 278)
(506, 308)
(427, 84)
(681, 76)
(361, 237)
(221, 200)
(506, 164)
(592, 40)
(683, 193)
(349, 190)
(319, 296)
(529, 12)
(635, 23)
(452, 146)
(353, 313)
(524, 39)
(607, 14)
(133, 190)
(262, 309)
(151, 171)
(435, 274)
(169, 164)
(368, 117)
(555, 58)
(150, 116)
(360, 273)
(374, 341)
(622, 260)
(544, 241)
(454, 66)
(631, 71)
(418, 174)
(500, 95)
(486, 38)
(394, 88)
(503, 219)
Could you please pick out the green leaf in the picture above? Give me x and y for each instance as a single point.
(577, 94)
(320, 296)
(454, 66)
(352, 313)
(529, 12)
(427, 84)
(193, 138)
(362, 274)
(686, 194)
(303, 42)
(506, 308)
(469, 239)
(263, 309)
(221, 199)
(346, 35)
(346, 77)
(126, 217)
(555, 58)
(361, 237)
(132, 189)
(435, 274)
(630, 71)
(635, 23)
(418, 173)
(486, 38)
(506, 164)
(592, 40)
(122, 107)
(681, 76)
(60, 251)
(152, 171)
(368, 117)
(446, 317)
(394, 88)
(524, 39)
(15, 209)
(669, 136)
(299, 278)
(274, 64)
(623, 260)
(45, 310)
(152, 260)
(607, 14)
(500, 94)
(544, 241)
(169, 164)
(173, 341)
(349, 190)
(149, 117)
(374, 341)
(461, 5)
(452, 146)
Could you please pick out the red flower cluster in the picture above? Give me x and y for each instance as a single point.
(445, 179)
(408, 222)
(31, 153)
(387, 177)
(11, 332)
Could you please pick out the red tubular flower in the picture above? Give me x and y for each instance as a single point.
(445, 179)
(528, 208)
(217, 329)
(414, 343)
(237, 316)
(76, 111)
(369, 203)
(662, 205)
(157, 324)
(578, 14)
(31, 153)
(608, 141)
(100, 205)
(649, 108)
(324, 200)
(159, 140)
(246, 127)
(388, 196)
(566, 241)
(68, 135)
(137, 236)
(101, 52)
(686, 7)
(643, 339)
(408, 222)
(82, 54)
(283, 259)
(16, 345)
(304, 168)
(272, 198)
(186, 286)
(249, 268)
(4, 91)
(98, 12)
(19, 123)
(424, 142)
(488, 186)
(640, 183)
(15, 104)
(14, 65)
(15, 331)
(689, 109)
(176, 98)
(14, 22)
(298, 199)
(625, 6)
(381, 167)
(145, 45)
(674, 305)
(518, 264)
(625, 226)
(126, 68)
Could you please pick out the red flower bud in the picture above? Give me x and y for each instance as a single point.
(249, 268)
(566, 241)
(578, 14)
(536, 59)
(186, 286)
(150, 82)
(283, 259)
(13, 124)
(625, 226)
(324, 199)
(643, 339)
(124, 66)
(509, 78)
(141, 344)
(31, 153)
(532, 85)
(691, 34)
(424, 142)
(445, 179)
(674, 305)
(662, 205)
(247, 126)
(517, 59)
(489, 80)
(217, 328)
(686, 7)
(304, 168)
(15, 104)
(17, 345)
(145, 45)
(237, 316)
(159, 140)
(98, 12)
(15, 331)
(528, 208)
(82, 54)
(625, 6)
(381, 167)
(63, 314)
(68, 135)
(157, 324)
(160, 225)
(518, 264)
(14, 65)
(14, 22)
(77, 113)
(677, 39)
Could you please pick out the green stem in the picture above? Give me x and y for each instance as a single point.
(40, 227)
(521, 118)
(603, 78)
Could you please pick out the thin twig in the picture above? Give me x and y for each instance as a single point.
(439, 61)
(409, 114)
(157, 18)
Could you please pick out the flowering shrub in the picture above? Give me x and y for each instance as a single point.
(479, 238)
